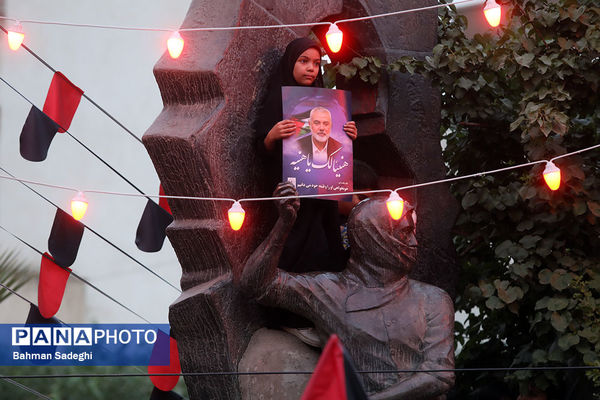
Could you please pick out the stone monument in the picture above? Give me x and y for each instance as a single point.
(201, 145)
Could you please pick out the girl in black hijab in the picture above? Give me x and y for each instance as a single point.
(314, 244)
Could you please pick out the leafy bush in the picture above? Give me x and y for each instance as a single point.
(530, 257)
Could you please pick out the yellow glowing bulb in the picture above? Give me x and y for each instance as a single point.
(334, 38)
(395, 205)
(236, 216)
(175, 45)
(492, 12)
(552, 175)
(79, 206)
(15, 37)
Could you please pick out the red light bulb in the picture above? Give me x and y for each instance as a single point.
(175, 45)
(15, 37)
(236, 216)
(334, 38)
(395, 205)
(552, 175)
(492, 12)
(79, 206)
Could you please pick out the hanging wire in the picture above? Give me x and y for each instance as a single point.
(232, 28)
(16, 293)
(27, 388)
(398, 189)
(72, 273)
(99, 235)
(236, 373)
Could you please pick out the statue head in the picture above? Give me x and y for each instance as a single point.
(379, 245)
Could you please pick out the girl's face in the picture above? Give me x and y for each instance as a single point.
(307, 67)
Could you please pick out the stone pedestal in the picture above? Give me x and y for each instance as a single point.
(273, 350)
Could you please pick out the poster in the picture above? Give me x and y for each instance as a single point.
(317, 158)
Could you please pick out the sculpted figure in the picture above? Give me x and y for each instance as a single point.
(385, 320)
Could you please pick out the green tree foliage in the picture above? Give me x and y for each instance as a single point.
(530, 257)
(13, 273)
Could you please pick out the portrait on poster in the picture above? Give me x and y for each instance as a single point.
(317, 158)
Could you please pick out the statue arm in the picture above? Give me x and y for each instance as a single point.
(438, 355)
(261, 269)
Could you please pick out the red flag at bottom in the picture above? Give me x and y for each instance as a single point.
(334, 377)
(51, 287)
(163, 201)
(164, 382)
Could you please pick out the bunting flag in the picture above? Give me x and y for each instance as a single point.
(51, 287)
(163, 201)
(65, 238)
(35, 317)
(158, 394)
(36, 135)
(62, 101)
(164, 383)
(334, 377)
(151, 230)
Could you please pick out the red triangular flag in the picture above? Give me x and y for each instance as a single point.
(62, 101)
(334, 377)
(165, 383)
(53, 280)
(328, 381)
(162, 201)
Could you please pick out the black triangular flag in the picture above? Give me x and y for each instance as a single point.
(354, 385)
(158, 394)
(35, 317)
(151, 232)
(36, 135)
(65, 238)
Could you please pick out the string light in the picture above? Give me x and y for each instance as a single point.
(175, 45)
(492, 12)
(15, 36)
(552, 175)
(236, 212)
(236, 216)
(334, 38)
(395, 205)
(79, 206)
(231, 28)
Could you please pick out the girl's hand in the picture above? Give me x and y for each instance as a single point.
(350, 129)
(281, 130)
